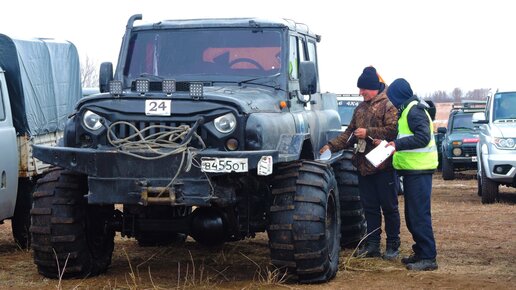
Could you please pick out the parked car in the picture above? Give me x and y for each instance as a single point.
(496, 148)
(347, 103)
(458, 149)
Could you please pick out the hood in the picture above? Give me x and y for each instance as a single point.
(504, 130)
(460, 136)
(246, 99)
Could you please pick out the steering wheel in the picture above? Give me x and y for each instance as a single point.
(246, 60)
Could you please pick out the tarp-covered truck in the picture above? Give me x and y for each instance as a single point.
(39, 85)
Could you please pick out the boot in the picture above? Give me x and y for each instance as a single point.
(370, 250)
(423, 265)
(392, 251)
(410, 259)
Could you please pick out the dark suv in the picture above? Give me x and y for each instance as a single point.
(208, 128)
(460, 140)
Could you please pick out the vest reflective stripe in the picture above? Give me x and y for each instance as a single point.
(415, 159)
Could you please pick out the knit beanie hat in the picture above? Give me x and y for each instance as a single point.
(369, 79)
(399, 92)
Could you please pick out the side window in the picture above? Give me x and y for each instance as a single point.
(312, 55)
(2, 108)
(293, 59)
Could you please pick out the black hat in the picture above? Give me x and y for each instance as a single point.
(369, 79)
(399, 92)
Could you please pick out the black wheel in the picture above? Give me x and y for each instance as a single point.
(152, 239)
(353, 223)
(479, 185)
(489, 188)
(305, 221)
(20, 222)
(65, 228)
(448, 171)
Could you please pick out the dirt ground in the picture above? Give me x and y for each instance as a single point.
(476, 250)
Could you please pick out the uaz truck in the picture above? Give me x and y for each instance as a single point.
(39, 85)
(207, 128)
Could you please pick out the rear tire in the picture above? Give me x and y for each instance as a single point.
(304, 229)
(448, 170)
(65, 228)
(353, 222)
(489, 188)
(20, 222)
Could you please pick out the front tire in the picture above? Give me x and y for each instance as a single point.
(448, 170)
(489, 188)
(65, 228)
(304, 229)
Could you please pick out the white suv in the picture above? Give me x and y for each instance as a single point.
(496, 149)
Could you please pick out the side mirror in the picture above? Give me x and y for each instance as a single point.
(441, 130)
(479, 118)
(105, 75)
(307, 78)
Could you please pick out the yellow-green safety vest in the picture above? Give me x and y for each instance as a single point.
(415, 159)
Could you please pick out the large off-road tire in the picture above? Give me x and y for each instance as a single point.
(448, 170)
(20, 222)
(153, 239)
(69, 237)
(489, 188)
(305, 221)
(353, 222)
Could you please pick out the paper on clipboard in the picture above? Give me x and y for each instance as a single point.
(380, 153)
(325, 155)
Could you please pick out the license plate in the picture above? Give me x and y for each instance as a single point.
(473, 158)
(222, 165)
(157, 107)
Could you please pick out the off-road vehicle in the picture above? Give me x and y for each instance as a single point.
(209, 128)
(458, 147)
(496, 148)
(39, 85)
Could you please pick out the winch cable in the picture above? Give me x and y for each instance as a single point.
(167, 141)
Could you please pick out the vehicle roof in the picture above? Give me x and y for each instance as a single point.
(230, 22)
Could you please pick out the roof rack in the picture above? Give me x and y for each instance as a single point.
(470, 106)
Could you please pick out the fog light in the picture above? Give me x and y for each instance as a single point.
(457, 151)
(502, 169)
(115, 88)
(169, 86)
(232, 144)
(142, 85)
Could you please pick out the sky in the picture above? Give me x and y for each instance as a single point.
(435, 45)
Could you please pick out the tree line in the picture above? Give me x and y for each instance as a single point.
(457, 96)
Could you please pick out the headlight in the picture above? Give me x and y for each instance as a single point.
(457, 151)
(503, 143)
(91, 120)
(225, 124)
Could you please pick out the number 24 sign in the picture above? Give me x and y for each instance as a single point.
(157, 107)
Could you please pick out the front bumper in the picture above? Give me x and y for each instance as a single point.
(495, 161)
(115, 177)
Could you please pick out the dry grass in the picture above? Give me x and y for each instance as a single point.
(475, 242)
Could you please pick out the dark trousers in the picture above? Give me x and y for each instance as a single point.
(379, 193)
(417, 192)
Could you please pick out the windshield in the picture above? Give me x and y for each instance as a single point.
(463, 122)
(346, 109)
(504, 106)
(183, 54)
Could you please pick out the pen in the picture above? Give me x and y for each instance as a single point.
(349, 138)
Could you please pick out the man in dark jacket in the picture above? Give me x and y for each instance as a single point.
(374, 118)
(415, 159)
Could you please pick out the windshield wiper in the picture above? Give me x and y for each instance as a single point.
(151, 77)
(462, 128)
(259, 78)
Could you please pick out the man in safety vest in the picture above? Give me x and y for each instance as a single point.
(415, 159)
